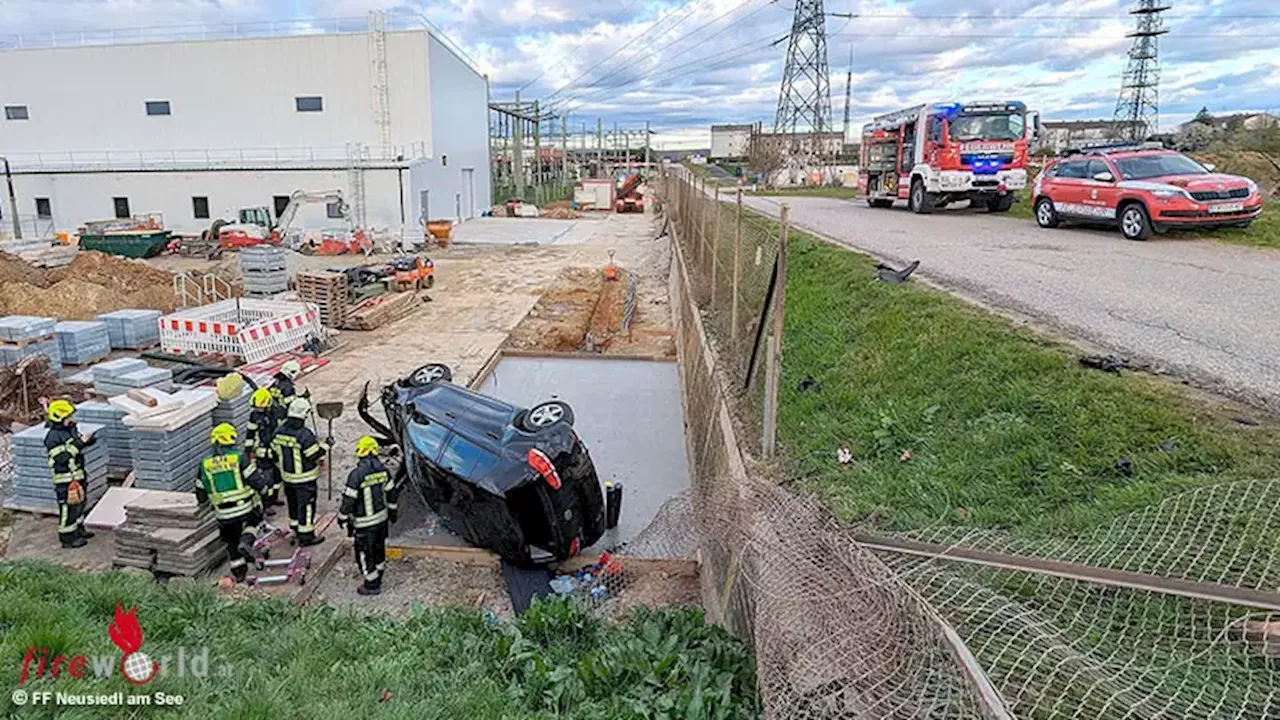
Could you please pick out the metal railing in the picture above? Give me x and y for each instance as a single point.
(206, 158)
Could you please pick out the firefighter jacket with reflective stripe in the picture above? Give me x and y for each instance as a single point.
(297, 452)
(64, 446)
(229, 481)
(369, 494)
(282, 393)
(258, 432)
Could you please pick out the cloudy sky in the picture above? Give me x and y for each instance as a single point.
(685, 64)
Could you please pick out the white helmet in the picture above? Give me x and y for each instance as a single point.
(291, 368)
(299, 408)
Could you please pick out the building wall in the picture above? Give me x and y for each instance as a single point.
(730, 144)
(223, 94)
(456, 177)
(79, 197)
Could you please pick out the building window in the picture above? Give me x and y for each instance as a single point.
(309, 103)
(157, 107)
(200, 207)
(43, 210)
(122, 207)
(16, 112)
(333, 210)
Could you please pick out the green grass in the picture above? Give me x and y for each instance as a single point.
(841, 193)
(1004, 428)
(319, 662)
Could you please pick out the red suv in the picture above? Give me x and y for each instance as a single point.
(1142, 188)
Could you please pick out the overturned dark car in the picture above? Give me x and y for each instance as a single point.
(517, 481)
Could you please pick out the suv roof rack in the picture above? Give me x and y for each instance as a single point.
(1115, 147)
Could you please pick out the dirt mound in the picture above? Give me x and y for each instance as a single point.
(119, 274)
(14, 269)
(92, 284)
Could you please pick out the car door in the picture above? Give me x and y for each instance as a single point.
(1100, 196)
(1068, 190)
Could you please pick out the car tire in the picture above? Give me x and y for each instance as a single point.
(544, 415)
(1046, 216)
(1000, 203)
(427, 374)
(1135, 223)
(921, 201)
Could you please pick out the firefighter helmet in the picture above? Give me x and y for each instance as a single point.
(366, 446)
(261, 398)
(291, 368)
(60, 410)
(223, 434)
(299, 408)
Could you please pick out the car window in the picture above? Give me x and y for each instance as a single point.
(427, 438)
(1095, 167)
(1074, 169)
(466, 458)
(1140, 167)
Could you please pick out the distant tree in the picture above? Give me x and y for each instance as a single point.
(1204, 117)
(766, 156)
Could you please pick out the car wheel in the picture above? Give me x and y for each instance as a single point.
(1046, 216)
(428, 374)
(545, 415)
(922, 201)
(1135, 223)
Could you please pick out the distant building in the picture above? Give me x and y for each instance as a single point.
(1060, 135)
(824, 145)
(1235, 121)
(730, 142)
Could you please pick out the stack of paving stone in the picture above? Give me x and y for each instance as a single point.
(119, 376)
(235, 411)
(168, 532)
(132, 329)
(24, 335)
(170, 438)
(32, 486)
(82, 342)
(264, 270)
(113, 434)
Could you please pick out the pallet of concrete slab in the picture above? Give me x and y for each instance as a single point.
(168, 439)
(234, 411)
(25, 335)
(378, 311)
(328, 291)
(31, 487)
(82, 342)
(168, 532)
(113, 434)
(148, 377)
(132, 328)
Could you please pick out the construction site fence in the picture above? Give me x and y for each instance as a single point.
(1169, 611)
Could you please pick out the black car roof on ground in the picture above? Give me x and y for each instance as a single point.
(479, 416)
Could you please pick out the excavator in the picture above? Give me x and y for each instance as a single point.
(255, 225)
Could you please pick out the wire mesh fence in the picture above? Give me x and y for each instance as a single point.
(1168, 611)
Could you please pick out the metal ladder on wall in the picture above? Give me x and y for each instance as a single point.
(381, 89)
(357, 158)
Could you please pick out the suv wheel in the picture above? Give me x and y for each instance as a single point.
(546, 415)
(1135, 223)
(922, 201)
(1046, 216)
(428, 374)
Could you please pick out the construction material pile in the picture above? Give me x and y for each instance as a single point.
(264, 270)
(32, 486)
(22, 336)
(22, 386)
(327, 291)
(168, 532)
(40, 253)
(234, 411)
(119, 376)
(132, 328)
(113, 435)
(81, 342)
(378, 311)
(169, 438)
(92, 284)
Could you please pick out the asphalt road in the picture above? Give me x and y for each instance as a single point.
(1203, 310)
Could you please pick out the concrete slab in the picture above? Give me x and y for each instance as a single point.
(521, 231)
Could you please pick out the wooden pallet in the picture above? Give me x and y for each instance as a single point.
(23, 343)
(378, 311)
(326, 290)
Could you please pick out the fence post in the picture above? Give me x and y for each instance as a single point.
(702, 224)
(737, 271)
(715, 241)
(773, 354)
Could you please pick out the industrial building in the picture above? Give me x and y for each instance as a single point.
(395, 119)
(731, 142)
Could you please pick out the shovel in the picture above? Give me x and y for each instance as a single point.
(328, 411)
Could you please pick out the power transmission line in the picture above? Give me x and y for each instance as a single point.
(1138, 106)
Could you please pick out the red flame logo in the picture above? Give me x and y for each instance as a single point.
(126, 634)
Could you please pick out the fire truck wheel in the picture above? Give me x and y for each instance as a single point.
(921, 200)
(1135, 223)
(879, 202)
(1046, 216)
(1000, 203)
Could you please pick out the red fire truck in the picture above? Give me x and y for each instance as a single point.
(934, 155)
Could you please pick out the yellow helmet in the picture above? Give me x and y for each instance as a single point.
(366, 446)
(223, 434)
(261, 398)
(60, 410)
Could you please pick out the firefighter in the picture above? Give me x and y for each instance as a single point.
(231, 483)
(63, 443)
(298, 454)
(368, 506)
(282, 390)
(257, 443)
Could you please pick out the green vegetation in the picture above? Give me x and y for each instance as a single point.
(842, 193)
(319, 662)
(1004, 428)
(1264, 232)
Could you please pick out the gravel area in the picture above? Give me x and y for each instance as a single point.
(1202, 310)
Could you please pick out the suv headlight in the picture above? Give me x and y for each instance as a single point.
(1253, 186)
(1169, 193)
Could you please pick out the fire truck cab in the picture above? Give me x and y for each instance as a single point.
(934, 155)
